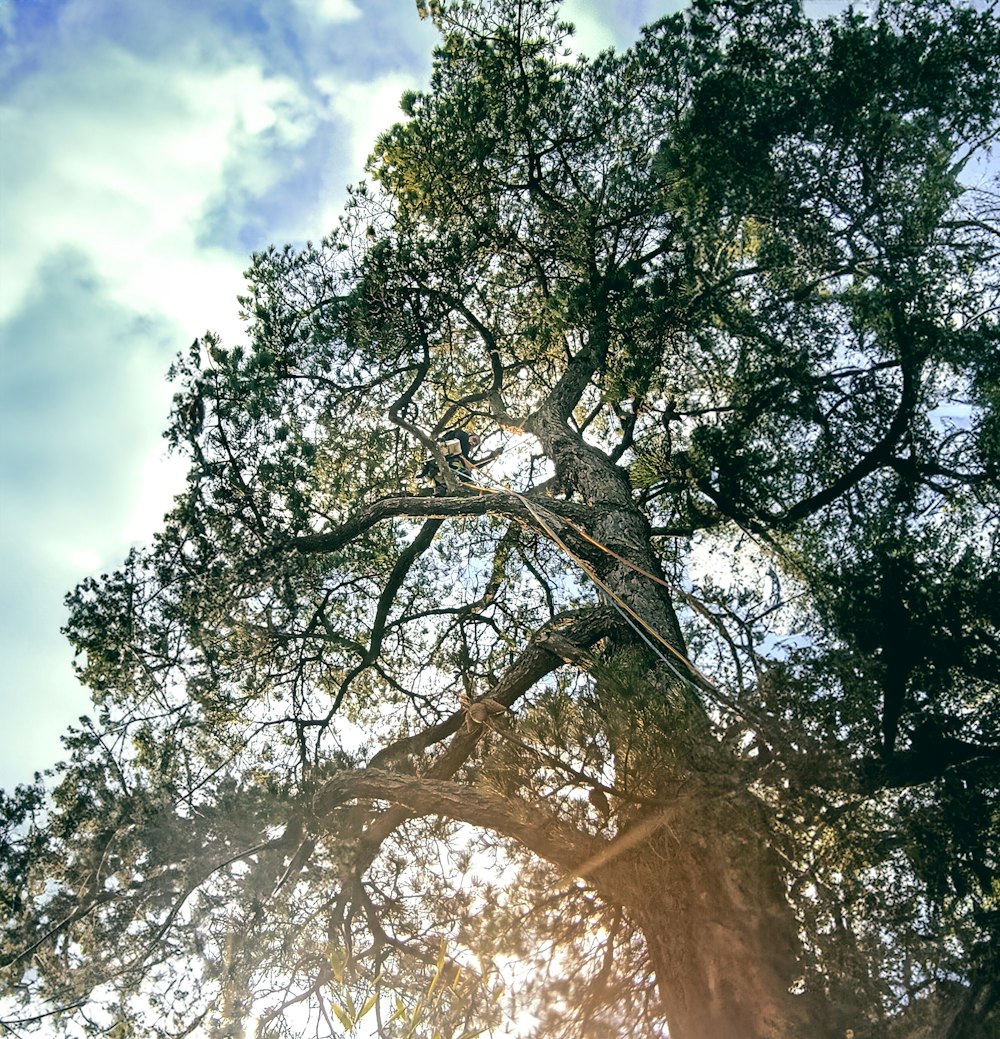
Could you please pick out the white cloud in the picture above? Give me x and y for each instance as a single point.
(594, 31)
(329, 10)
(140, 153)
(160, 478)
(368, 108)
(600, 25)
(82, 403)
(121, 159)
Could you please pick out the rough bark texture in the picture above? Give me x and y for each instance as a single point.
(706, 885)
(719, 930)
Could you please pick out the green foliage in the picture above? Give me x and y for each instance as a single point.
(726, 302)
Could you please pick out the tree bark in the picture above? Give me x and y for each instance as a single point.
(707, 888)
(720, 934)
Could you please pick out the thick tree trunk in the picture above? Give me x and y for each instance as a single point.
(705, 891)
(720, 933)
(707, 887)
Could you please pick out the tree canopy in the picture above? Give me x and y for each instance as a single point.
(682, 715)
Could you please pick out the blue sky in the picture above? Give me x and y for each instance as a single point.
(145, 150)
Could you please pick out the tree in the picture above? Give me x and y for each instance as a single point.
(684, 715)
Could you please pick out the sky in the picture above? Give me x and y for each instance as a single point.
(146, 150)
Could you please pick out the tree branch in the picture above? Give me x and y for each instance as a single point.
(554, 840)
(407, 558)
(541, 656)
(474, 503)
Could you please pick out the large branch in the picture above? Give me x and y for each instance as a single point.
(551, 646)
(569, 848)
(469, 504)
(880, 454)
(558, 642)
(556, 841)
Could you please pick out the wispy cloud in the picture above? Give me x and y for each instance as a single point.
(329, 10)
(123, 160)
(600, 25)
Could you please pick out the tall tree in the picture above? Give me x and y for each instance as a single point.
(684, 715)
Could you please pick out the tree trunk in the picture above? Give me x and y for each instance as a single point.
(706, 887)
(721, 935)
